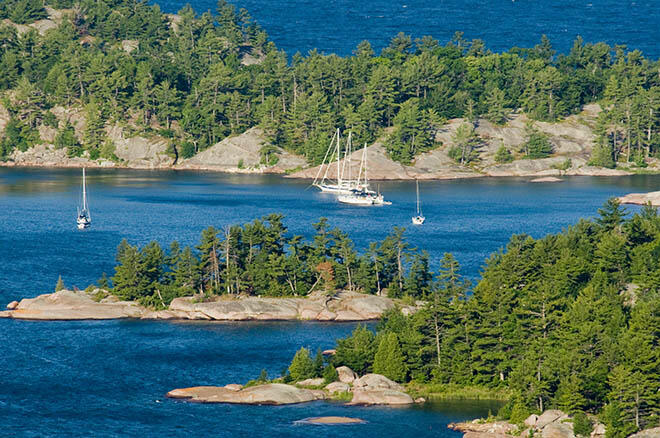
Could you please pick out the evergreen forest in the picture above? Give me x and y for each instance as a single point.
(198, 78)
(260, 258)
(570, 320)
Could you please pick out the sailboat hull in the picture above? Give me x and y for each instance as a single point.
(82, 223)
(355, 200)
(344, 189)
(418, 220)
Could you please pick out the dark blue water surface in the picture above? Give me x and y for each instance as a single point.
(109, 378)
(337, 26)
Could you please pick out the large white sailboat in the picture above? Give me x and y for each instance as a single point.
(362, 195)
(344, 183)
(419, 218)
(84, 219)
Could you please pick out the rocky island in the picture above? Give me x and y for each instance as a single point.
(370, 389)
(79, 305)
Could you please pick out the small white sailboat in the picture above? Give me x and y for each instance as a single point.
(84, 219)
(419, 219)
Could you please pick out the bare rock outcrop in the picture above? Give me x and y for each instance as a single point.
(346, 375)
(240, 154)
(346, 306)
(46, 155)
(55, 17)
(130, 45)
(648, 433)
(376, 389)
(381, 167)
(376, 381)
(550, 424)
(233, 387)
(337, 387)
(380, 397)
(331, 420)
(572, 138)
(641, 198)
(4, 118)
(558, 429)
(546, 179)
(68, 305)
(547, 417)
(599, 431)
(477, 429)
(269, 394)
(317, 381)
(140, 152)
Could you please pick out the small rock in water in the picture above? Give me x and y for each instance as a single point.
(546, 179)
(331, 420)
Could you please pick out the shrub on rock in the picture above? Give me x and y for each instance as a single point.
(302, 366)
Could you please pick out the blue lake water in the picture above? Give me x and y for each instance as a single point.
(337, 26)
(109, 378)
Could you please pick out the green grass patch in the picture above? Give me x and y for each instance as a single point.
(342, 396)
(436, 391)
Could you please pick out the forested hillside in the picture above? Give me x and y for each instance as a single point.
(195, 79)
(569, 321)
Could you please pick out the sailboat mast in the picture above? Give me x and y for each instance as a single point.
(84, 206)
(347, 156)
(418, 209)
(325, 163)
(338, 158)
(366, 182)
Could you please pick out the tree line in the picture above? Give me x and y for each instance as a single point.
(568, 321)
(197, 79)
(260, 258)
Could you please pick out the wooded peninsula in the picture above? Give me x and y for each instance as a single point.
(568, 321)
(75, 68)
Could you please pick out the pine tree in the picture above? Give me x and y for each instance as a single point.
(60, 284)
(357, 351)
(128, 273)
(496, 104)
(569, 396)
(302, 366)
(209, 262)
(611, 214)
(389, 360)
(537, 144)
(503, 155)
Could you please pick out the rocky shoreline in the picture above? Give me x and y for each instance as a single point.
(552, 423)
(572, 140)
(368, 390)
(80, 305)
(641, 199)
